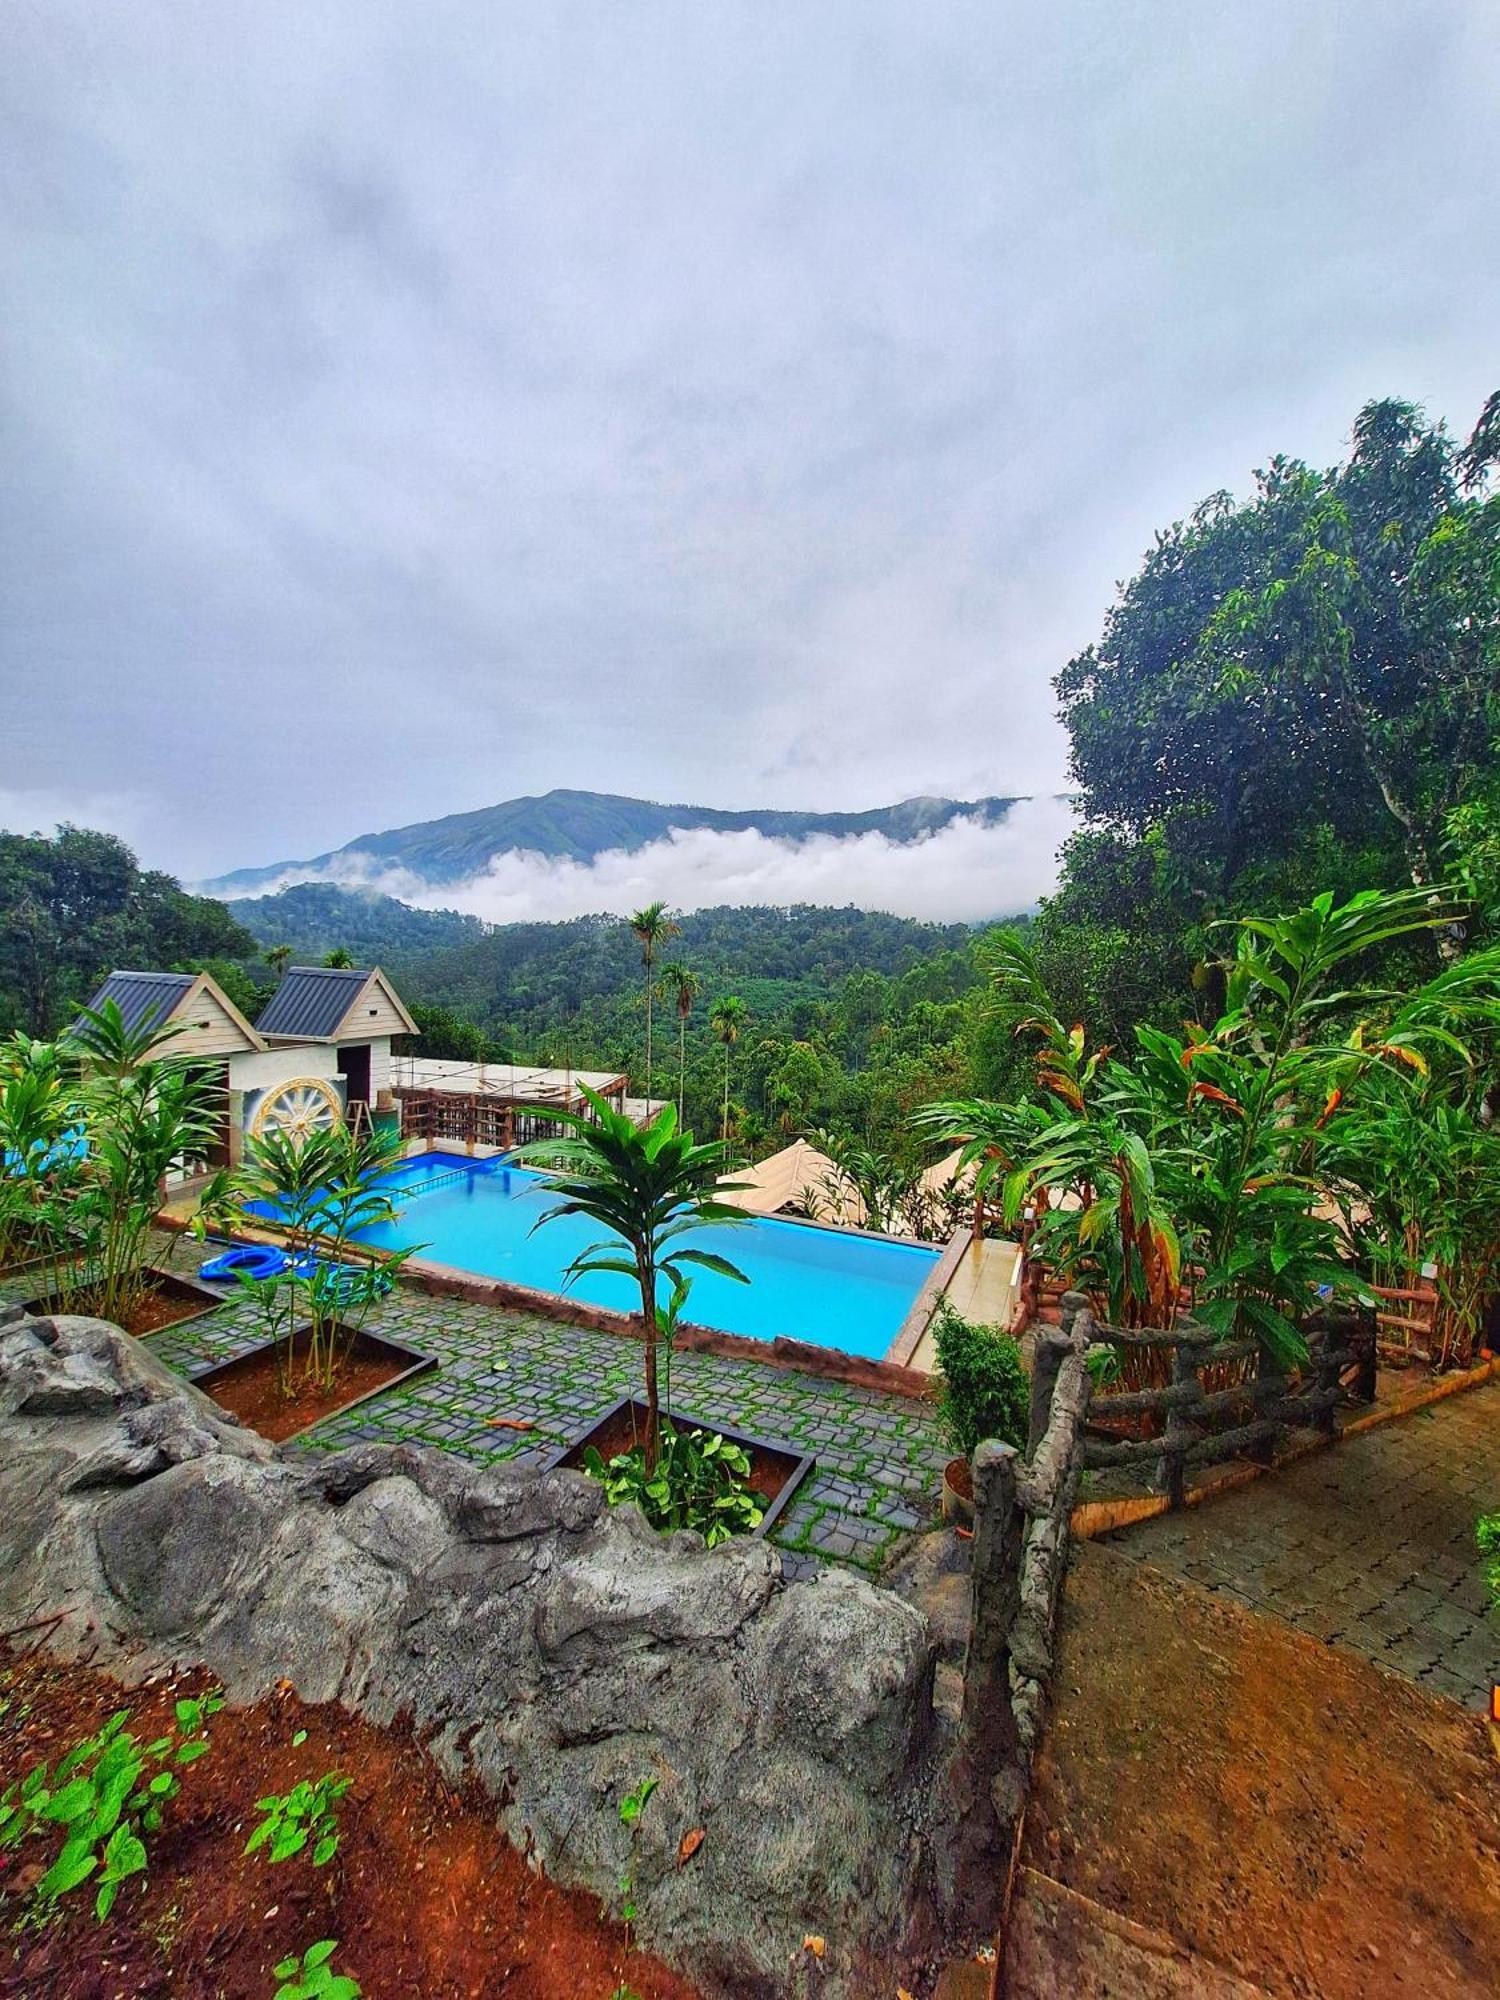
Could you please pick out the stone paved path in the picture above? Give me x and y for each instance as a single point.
(1369, 1545)
(879, 1457)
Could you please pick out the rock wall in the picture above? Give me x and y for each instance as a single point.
(558, 1650)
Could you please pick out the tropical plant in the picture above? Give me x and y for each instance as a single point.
(726, 1017)
(652, 1188)
(652, 927)
(312, 1977)
(308, 1812)
(278, 957)
(39, 1152)
(103, 1798)
(1202, 1159)
(338, 960)
(323, 1189)
(143, 1112)
(701, 1481)
(682, 985)
(984, 1391)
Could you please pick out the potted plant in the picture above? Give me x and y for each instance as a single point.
(322, 1190)
(651, 1187)
(984, 1393)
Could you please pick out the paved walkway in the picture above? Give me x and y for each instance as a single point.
(1369, 1545)
(879, 1457)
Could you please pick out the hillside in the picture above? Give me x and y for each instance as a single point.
(578, 826)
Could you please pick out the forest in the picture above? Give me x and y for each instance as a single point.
(1298, 692)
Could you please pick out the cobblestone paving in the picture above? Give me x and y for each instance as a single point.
(879, 1458)
(1369, 1546)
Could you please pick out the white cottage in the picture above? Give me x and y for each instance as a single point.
(320, 1050)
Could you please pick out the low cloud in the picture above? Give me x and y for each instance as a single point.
(963, 873)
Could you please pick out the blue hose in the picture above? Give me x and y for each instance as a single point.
(250, 1260)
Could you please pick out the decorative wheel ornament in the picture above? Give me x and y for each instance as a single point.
(301, 1106)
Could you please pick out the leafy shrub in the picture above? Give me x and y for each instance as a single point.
(1487, 1534)
(700, 1481)
(307, 1812)
(985, 1391)
(311, 1977)
(105, 1795)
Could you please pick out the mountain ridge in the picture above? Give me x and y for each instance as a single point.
(579, 826)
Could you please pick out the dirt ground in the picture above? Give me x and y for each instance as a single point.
(1285, 1810)
(424, 1895)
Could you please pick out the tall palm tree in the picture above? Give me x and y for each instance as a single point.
(277, 957)
(653, 927)
(649, 1188)
(682, 985)
(338, 959)
(726, 1017)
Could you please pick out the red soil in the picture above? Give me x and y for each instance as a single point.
(425, 1896)
(250, 1388)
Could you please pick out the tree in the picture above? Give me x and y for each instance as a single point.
(1322, 660)
(727, 1019)
(277, 957)
(338, 959)
(75, 907)
(650, 1187)
(682, 985)
(652, 927)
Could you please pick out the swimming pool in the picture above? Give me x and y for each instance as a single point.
(828, 1286)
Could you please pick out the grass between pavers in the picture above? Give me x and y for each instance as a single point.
(880, 1458)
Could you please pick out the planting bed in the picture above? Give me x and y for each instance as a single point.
(776, 1469)
(248, 1386)
(166, 1301)
(424, 1895)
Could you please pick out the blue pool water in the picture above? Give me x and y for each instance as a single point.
(824, 1285)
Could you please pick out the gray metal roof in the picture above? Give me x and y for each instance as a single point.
(143, 998)
(311, 1001)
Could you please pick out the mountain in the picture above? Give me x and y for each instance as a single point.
(578, 826)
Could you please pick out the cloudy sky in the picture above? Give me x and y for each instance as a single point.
(741, 401)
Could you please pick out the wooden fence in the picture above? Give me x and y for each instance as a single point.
(1188, 1423)
(1022, 1508)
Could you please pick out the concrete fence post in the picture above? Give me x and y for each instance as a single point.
(999, 1526)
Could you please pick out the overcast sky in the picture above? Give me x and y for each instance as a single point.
(407, 406)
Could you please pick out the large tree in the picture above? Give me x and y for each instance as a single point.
(74, 907)
(1320, 665)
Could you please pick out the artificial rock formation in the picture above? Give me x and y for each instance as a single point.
(558, 1650)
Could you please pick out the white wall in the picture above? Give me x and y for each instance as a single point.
(258, 1069)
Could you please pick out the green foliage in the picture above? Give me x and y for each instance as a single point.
(700, 1481)
(308, 1812)
(77, 906)
(632, 1805)
(324, 1189)
(100, 1802)
(1211, 1153)
(652, 1188)
(984, 1392)
(1487, 1535)
(312, 1977)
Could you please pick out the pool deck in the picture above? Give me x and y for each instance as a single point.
(880, 1456)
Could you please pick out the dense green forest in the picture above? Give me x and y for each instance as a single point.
(1297, 692)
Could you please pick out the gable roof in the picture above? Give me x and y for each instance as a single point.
(313, 1002)
(145, 999)
(153, 999)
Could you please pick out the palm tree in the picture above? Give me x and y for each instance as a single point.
(649, 1186)
(682, 985)
(653, 927)
(277, 957)
(338, 959)
(726, 1017)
